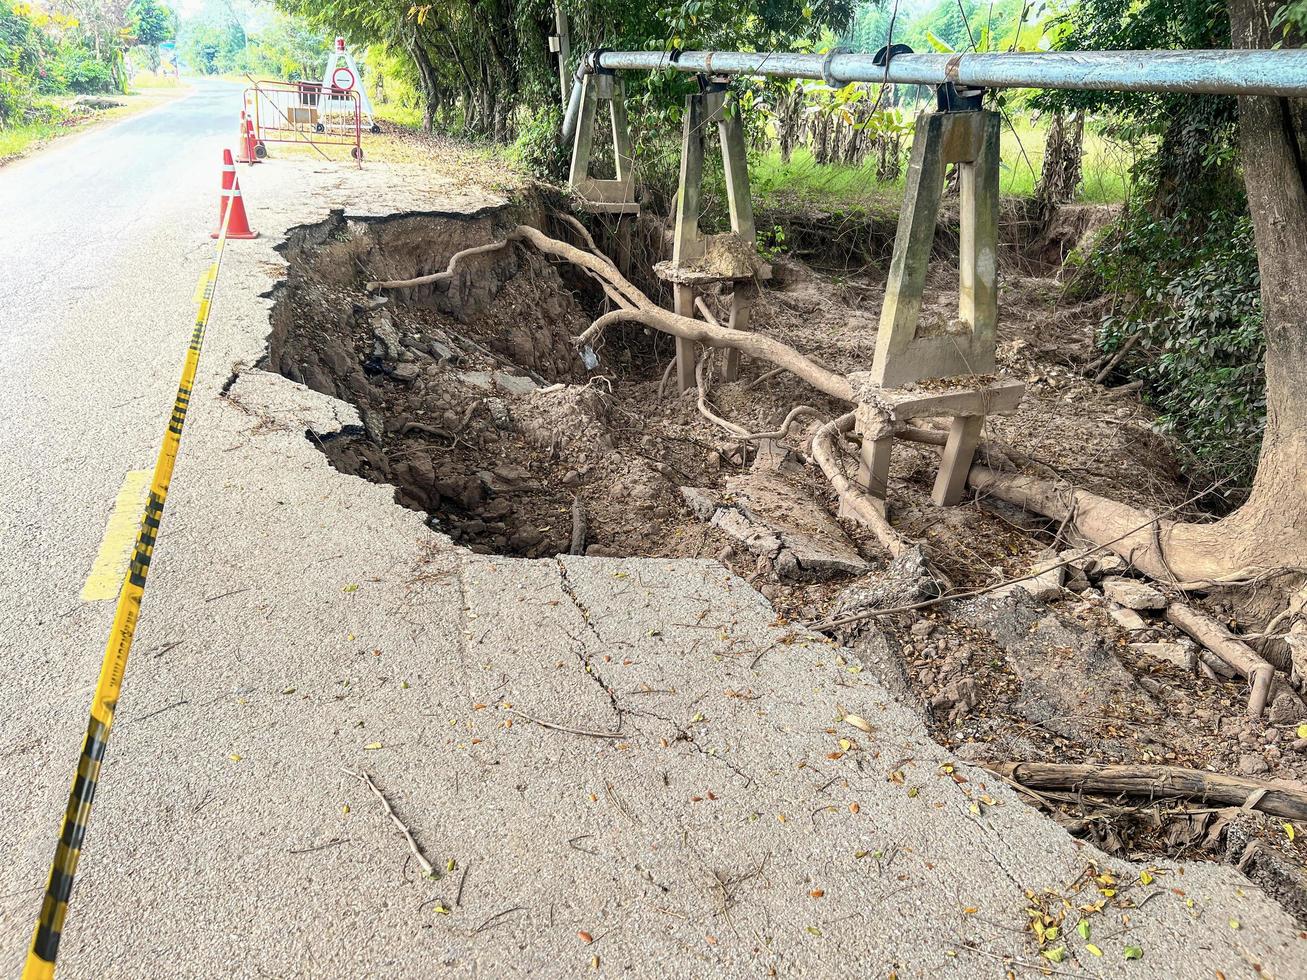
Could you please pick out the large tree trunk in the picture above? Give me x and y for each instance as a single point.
(1272, 526)
(1269, 531)
(426, 82)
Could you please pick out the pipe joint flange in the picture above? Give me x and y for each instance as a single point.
(826, 76)
(592, 65)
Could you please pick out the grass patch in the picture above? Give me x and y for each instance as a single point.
(150, 80)
(1106, 170)
(17, 140)
(410, 117)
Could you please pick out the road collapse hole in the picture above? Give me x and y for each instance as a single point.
(476, 404)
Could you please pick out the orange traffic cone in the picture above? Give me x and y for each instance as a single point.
(238, 226)
(251, 142)
(244, 151)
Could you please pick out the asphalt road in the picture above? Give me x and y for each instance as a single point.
(298, 623)
(87, 367)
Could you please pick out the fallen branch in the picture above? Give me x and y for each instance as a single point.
(1280, 799)
(1116, 358)
(1242, 658)
(563, 728)
(427, 868)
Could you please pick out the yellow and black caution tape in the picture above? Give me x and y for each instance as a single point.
(54, 907)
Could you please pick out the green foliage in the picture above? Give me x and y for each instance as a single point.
(60, 47)
(1196, 304)
(537, 149)
(151, 23)
(1182, 263)
(78, 70)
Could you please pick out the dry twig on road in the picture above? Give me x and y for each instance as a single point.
(427, 868)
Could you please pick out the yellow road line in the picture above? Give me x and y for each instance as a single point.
(106, 578)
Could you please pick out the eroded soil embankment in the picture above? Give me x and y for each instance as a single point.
(475, 403)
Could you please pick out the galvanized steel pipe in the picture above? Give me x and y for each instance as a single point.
(1217, 72)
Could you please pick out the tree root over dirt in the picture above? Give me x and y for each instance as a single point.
(634, 306)
(1245, 661)
(1188, 557)
(857, 500)
(1160, 782)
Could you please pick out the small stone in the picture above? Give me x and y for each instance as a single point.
(1108, 563)
(922, 628)
(1184, 657)
(1132, 593)
(499, 412)
(1299, 745)
(1285, 710)
(405, 372)
(701, 502)
(571, 478)
(1128, 619)
(387, 337)
(1251, 765)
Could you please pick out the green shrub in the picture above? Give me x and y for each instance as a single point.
(77, 70)
(539, 149)
(1189, 285)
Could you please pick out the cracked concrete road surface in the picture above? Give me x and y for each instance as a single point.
(634, 769)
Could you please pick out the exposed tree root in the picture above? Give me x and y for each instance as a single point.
(700, 371)
(455, 262)
(852, 496)
(1158, 547)
(1246, 661)
(1280, 799)
(638, 308)
(796, 413)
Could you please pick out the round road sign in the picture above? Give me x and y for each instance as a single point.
(342, 78)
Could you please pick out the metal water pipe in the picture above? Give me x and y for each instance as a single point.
(1212, 72)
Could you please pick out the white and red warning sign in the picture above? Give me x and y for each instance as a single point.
(342, 75)
(343, 78)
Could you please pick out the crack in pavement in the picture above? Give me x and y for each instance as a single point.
(587, 664)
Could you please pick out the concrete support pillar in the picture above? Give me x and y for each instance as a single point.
(963, 437)
(873, 471)
(741, 305)
(685, 356)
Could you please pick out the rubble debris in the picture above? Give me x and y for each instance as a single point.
(1131, 593)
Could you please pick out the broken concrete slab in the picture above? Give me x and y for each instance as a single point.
(1182, 655)
(772, 517)
(1127, 619)
(1132, 593)
(702, 503)
(1046, 585)
(512, 384)
(1069, 679)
